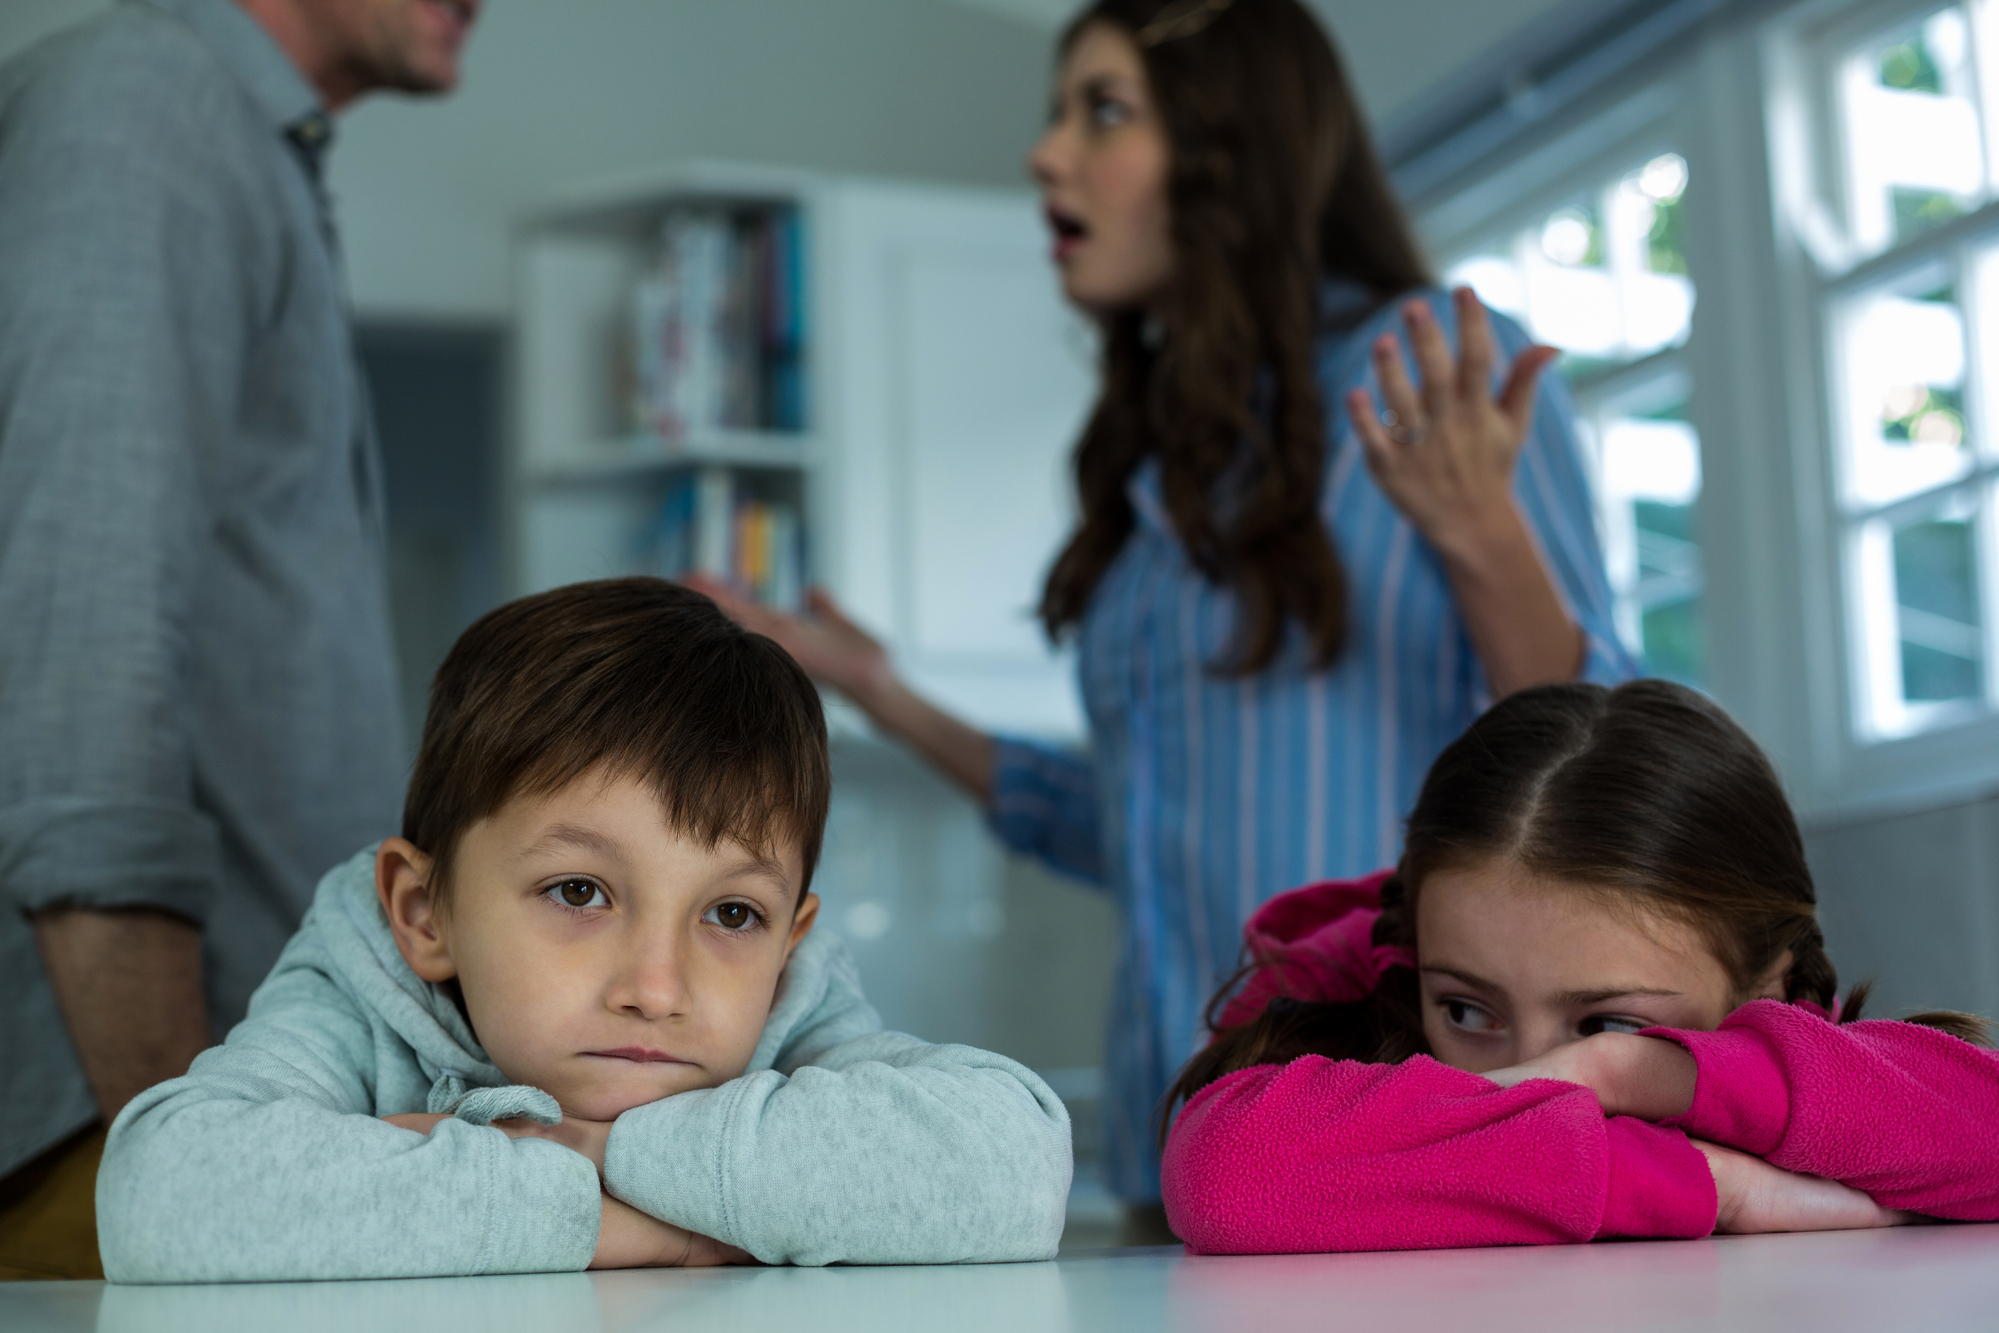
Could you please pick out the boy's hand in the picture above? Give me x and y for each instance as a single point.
(1754, 1196)
(628, 1238)
(585, 1136)
(1647, 1077)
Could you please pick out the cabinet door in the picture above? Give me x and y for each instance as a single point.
(959, 381)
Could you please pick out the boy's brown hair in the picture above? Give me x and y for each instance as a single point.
(644, 677)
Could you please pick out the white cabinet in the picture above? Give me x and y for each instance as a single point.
(946, 383)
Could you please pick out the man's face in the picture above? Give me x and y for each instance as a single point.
(407, 45)
(605, 957)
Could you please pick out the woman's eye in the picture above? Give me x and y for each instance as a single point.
(1469, 1017)
(734, 916)
(1107, 113)
(578, 893)
(1596, 1023)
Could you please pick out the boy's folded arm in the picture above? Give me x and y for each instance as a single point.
(267, 1162)
(1898, 1111)
(1325, 1155)
(886, 1149)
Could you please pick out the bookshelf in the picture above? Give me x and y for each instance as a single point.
(920, 470)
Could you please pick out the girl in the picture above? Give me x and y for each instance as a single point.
(1592, 1001)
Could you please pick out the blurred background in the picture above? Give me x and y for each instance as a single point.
(756, 286)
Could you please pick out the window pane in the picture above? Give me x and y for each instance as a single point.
(1937, 618)
(1918, 584)
(1914, 152)
(1904, 388)
(1604, 277)
(1649, 479)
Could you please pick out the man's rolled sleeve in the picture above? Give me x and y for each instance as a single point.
(124, 319)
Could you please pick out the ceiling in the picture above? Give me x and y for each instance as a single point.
(1396, 49)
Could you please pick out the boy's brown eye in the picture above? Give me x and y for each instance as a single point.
(578, 892)
(733, 915)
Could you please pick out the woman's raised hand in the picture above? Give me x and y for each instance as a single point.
(829, 646)
(1444, 453)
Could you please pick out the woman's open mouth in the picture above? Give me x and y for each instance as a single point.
(1069, 230)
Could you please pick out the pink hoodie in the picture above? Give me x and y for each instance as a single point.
(1322, 1155)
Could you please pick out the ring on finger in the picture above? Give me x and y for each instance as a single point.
(1403, 432)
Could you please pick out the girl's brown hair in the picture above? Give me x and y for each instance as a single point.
(1647, 795)
(1274, 187)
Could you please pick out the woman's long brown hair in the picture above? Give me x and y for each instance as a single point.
(1648, 795)
(1274, 187)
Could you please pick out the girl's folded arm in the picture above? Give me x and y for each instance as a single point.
(266, 1162)
(1323, 1155)
(1902, 1112)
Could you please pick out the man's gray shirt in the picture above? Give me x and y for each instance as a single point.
(198, 706)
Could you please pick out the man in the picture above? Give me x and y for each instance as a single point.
(198, 707)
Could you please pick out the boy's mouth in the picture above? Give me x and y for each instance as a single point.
(644, 1055)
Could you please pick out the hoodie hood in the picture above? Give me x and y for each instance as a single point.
(1317, 944)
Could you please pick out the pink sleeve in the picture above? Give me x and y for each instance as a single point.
(1322, 1155)
(1901, 1112)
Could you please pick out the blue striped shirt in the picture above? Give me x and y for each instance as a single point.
(1203, 795)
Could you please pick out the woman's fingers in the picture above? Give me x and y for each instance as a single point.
(1374, 441)
(750, 615)
(1475, 348)
(1433, 357)
(1397, 392)
(1523, 382)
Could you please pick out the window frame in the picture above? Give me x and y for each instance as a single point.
(1842, 765)
(1747, 109)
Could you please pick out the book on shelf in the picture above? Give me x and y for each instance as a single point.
(717, 337)
(711, 525)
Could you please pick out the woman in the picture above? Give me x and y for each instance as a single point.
(1275, 640)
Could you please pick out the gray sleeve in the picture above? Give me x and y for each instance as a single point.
(267, 1163)
(884, 1150)
(129, 236)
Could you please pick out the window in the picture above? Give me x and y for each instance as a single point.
(1907, 304)
(1603, 276)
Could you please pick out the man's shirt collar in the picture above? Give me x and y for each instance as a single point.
(274, 83)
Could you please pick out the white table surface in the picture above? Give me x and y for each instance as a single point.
(1910, 1278)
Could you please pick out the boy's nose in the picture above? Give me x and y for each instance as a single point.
(652, 982)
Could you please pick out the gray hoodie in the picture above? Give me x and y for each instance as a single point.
(842, 1143)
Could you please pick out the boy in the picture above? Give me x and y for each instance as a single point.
(576, 1015)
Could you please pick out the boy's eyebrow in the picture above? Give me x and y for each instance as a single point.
(576, 836)
(764, 866)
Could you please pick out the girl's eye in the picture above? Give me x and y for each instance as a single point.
(1469, 1017)
(737, 917)
(577, 893)
(1596, 1023)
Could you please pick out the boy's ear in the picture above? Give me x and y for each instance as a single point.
(1775, 983)
(402, 882)
(801, 922)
